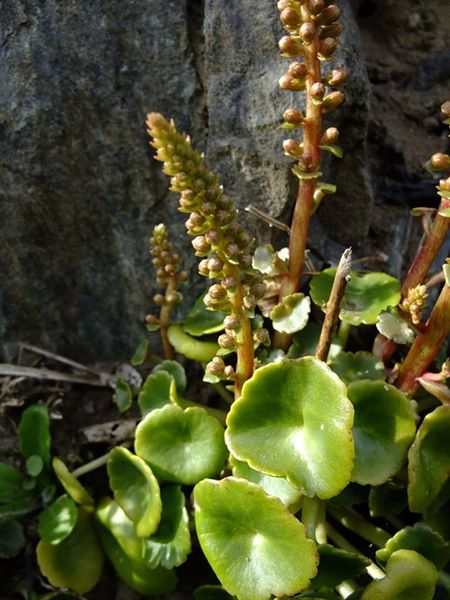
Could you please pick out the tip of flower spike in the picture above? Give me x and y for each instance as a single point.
(155, 120)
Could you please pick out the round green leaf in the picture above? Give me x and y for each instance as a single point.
(383, 429)
(12, 539)
(201, 321)
(34, 433)
(136, 490)
(183, 446)
(71, 484)
(365, 296)
(156, 392)
(274, 486)
(305, 342)
(291, 314)
(189, 346)
(252, 542)
(429, 459)
(140, 354)
(57, 521)
(422, 539)
(76, 562)
(409, 576)
(34, 465)
(351, 366)
(171, 543)
(294, 420)
(335, 565)
(11, 483)
(126, 552)
(123, 396)
(174, 368)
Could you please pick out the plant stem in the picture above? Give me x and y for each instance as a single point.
(334, 304)
(94, 464)
(344, 332)
(164, 319)
(426, 345)
(444, 580)
(310, 515)
(223, 393)
(353, 521)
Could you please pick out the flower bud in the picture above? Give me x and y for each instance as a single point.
(444, 185)
(337, 76)
(201, 245)
(182, 276)
(291, 147)
(287, 82)
(307, 32)
(232, 322)
(152, 319)
(159, 299)
(282, 4)
(216, 366)
(229, 283)
(317, 91)
(169, 269)
(173, 298)
(327, 47)
(156, 121)
(232, 250)
(229, 372)
(212, 237)
(215, 264)
(258, 290)
(293, 117)
(217, 292)
(332, 101)
(445, 108)
(298, 70)
(330, 136)
(440, 161)
(329, 15)
(290, 17)
(316, 6)
(208, 208)
(245, 261)
(290, 47)
(261, 336)
(226, 341)
(203, 267)
(333, 31)
(249, 302)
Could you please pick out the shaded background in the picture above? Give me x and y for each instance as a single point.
(80, 193)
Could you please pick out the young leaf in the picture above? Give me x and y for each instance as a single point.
(183, 446)
(383, 430)
(140, 354)
(136, 490)
(429, 459)
(408, 575)
(11, 483)
(12, 539)
(34, 433)
(189, 346)
(291, 314)
(365, 296)
(71, 484)
(123, 396)
(57, 521)
(335, 565)
(252, 542)
(393, 327)
(156, 392)
(351, 366)
(176, 370)
(202, 321)
(422, 539)
(294, 420)
(76, 562)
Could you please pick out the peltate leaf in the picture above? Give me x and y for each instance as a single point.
(335, 565)
(71, 484)
(174, 368)
(12, 539)
(294, 420)
(291, 314)
(351, 366)
(422, 539)
(140, 354)
(189, 346)
(136, 490)
(201, 321)
(252, 542)
(409, 576)
(156, 391)
(365, 296)
(34, 433)
(57, 521)
(76, 562)
(305, 343)
(123, 396)
(383, 429)
(429, 459)
(183, 446)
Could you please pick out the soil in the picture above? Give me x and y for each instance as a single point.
(408, 62)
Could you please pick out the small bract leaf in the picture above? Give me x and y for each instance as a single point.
(11, 483)
(34, 433)
(274, 486)
(395, 328)
(183, 446)
(365, 296)
(136, 490)
(71, 484)
(176, 370)
(291, 314)
(191, 347)
(422, 539)
(305, 342)
(361, 365)
(201, 321)
(335, 565)
(126, 552)
(123, 396)
(294, 420)
(252, 542)
(429, 459)
(140, 354)
(387, 499)
(57, 521)
(409, 576)
(12, 539)
(263, 259)
(335, 150)
(76, 562)
(171, 543)
(156, 392)
(383, 429)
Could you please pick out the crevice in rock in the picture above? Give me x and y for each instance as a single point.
(195, 17)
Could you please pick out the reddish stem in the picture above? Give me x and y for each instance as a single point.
(164, 319)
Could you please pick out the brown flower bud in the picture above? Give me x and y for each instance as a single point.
(203, 267)
(333, 31)
(215, 264)
(440, 161)
(317, 90)
(307, 32)
(293, 117)
(156, 121)
(173, 298)
(216, 366)
(159, 299)
(327, 47)
(332, 101)
(287, 82)
(282, 4)
(232, 322)
(151, 319)
(226, 341)
(291, 147)
(290, 47)
(245, 260)
(445, 108)
(232, 250)
(316, 6)
(329, 15)
(298, 70)
(229, 372)
(249, 302)
(201, 245)
(169, 269)
(258, 290)
(182, 276)
(212, 237)
(208, 208)
(290, 17)
(217, 292)
(330, 136)
(337, 76)
(229, 283)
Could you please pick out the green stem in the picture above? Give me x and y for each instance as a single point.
(346, 588)
(344, 332)
(164, 320)
(353, 521)
(444, 580)
(223, 393)
(310, 515)
(94, 464)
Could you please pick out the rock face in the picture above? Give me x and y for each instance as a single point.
(79, 191)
